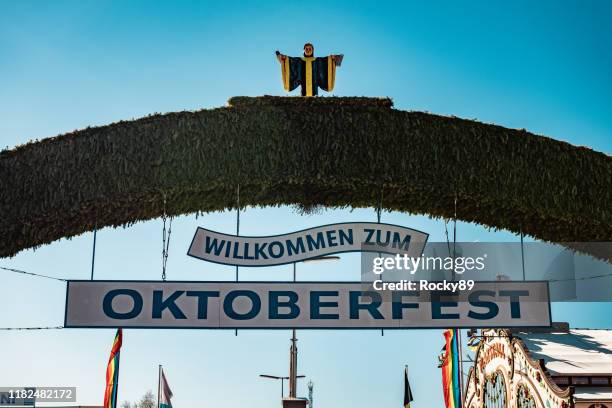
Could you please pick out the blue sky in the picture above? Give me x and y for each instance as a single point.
(543, 66)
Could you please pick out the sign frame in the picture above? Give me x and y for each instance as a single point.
(288, 327)
(374, 248)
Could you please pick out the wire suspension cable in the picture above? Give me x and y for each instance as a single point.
(447, 238)
(378, 213)
(31, 328)
(452, 252)
(455, 237)
(237, 231)
(460, 342)
(604, 275)
(237, 220)
(165, 240)
(32, 274)
(93, 252)
(522, 253)
(38, 275)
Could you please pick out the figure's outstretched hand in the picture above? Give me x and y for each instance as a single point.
(280, 56)
(338, 59)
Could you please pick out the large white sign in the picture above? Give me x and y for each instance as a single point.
(271, 305)
(307, 244)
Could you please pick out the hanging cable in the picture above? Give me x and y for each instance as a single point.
(447, 238)
(379, 207)
(455, 237)
(522, 253)
(93, 252)
(31, 328)
(460, 342)
(32, 274)
(378, 212)
(604, 275)
(453, 252)
(237, 220)
(165, 239)
(237, 230)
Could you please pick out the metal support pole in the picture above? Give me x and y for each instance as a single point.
(237, 231)
(93, 253)
(237, 220)
(455, 239)
(293, 367)
(460, 341)
(159, 385)
(293, 356)
(378, 212)
(118, 365)
(522, 254)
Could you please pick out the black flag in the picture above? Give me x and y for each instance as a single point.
(407, 391)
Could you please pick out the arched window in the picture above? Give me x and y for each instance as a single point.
(495, 392)
(598, 406)
(524, 398)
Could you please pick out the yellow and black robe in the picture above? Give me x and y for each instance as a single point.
(310, 72)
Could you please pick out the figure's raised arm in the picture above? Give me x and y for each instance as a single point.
(280, 57)
(338, 59)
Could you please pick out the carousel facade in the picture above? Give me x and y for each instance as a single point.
(556, 368)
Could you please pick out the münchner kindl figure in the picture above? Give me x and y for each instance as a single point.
(309, 71)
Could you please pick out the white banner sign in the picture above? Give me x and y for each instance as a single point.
(307, 244)
(301, 305)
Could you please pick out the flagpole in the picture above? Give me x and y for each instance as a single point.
(460, 367)
(118, 365)
(158, 384)
(407, 380)
(407, 391)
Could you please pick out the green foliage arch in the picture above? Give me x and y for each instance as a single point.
(333, 152)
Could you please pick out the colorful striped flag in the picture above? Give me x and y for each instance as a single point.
(451, 370)
(112, 373)
(165, 393)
